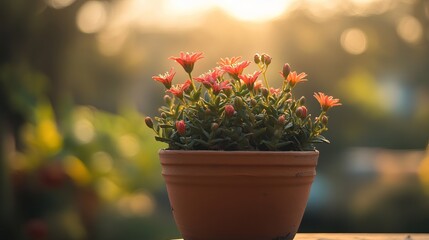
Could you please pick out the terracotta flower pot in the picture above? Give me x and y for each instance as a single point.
(239, 195)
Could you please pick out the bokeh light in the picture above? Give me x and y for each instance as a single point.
(102, 162)
(138, 204)
(59, 3)
(128, 145)
(91, 16)
(84, 130)
(77, 170)
(354, 41)
(410, 29)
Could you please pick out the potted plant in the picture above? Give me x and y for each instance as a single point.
(240, 159)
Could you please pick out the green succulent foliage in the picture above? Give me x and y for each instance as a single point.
(261, 121)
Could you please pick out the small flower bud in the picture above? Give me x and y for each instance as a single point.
(288, 95)
(265, 92)
(208, 111)
(167, 99)
(281, 120)
(238, 103)
(257, 58)
(286, 70)
(229, 110)
(228, 91)
(324, 120)
(301, 101)
(301, 112)
(148, 122)
(267, 59)
(181, 127)
(215, 126)
(253, 102)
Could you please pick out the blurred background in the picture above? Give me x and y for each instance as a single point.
(77, 161)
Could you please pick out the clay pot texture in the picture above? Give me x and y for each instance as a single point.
(238, 195)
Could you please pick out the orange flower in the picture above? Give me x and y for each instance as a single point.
(178, 89)
(235, 69)
(187, 60)
(250, 79)
(326, 102)
(227, 61)
(181, 127)
(165, 78)
(293, 78)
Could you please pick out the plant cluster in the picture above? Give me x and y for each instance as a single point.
(225, 109)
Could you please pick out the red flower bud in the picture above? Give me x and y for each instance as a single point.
(286, 70)
(149, 122)
(267, 59)
(257, 58)
(301, 112)
(281, 120)
(181, 127)
(215, 126)
(324, 120)
(167, 99)
(253, 102)
(265, 92)
(229, 110)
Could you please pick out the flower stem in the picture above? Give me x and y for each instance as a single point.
(192, 81)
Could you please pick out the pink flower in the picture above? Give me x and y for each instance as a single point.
(187, 60)
(209, 78)
(165, 78)
(178, 89)
(181, 127)
(293, 78)
(274, 91)
(258, 85)
(235, 69)
(227, 61)
(219, 86)
(250, 79)
(229, 110)
(326, 102)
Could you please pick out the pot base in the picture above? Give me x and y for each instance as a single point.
(238, 195)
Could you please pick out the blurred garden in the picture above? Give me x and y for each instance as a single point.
(78, 162)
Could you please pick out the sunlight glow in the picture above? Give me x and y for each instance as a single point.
(354, 41)
(254, 10)
(91, 16)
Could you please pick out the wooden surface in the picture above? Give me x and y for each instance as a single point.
(359, 236)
